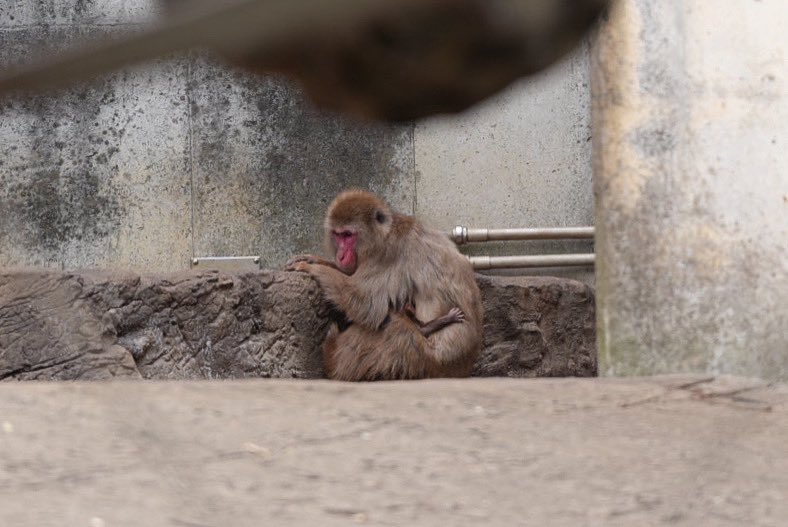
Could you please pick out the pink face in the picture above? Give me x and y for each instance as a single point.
(345, 240)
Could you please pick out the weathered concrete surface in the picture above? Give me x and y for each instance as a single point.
(678, 451)
(93, 178)
(93, 325)
(24, 13)
(522, 159)
(153, 165)
(150, 166)
(691, 118)
(266, 165)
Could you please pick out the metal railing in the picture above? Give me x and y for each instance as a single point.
(463, 235)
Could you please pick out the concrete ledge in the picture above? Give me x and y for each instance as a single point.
(560, 452)
(209, 325)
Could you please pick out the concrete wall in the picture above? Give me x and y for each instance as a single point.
(691, 121)
(150, 166)
(183, 157)
(521, 159)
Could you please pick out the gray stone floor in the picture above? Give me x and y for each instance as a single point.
(656, 451)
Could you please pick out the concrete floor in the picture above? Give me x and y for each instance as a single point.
(653, 451)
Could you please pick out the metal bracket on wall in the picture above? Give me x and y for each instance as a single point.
(230, 264)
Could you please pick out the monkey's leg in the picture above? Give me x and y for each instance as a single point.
(330, 351)
(395, 352)
(454, 316)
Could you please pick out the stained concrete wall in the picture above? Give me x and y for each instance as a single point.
(149, 166)
(153, 165)
(691, 121)
(521, 159)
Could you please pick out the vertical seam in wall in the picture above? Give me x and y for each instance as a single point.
(415, 173)
(190, 149)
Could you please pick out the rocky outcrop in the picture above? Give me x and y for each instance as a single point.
(100, 325)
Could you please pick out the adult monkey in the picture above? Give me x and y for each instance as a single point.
(387, 264)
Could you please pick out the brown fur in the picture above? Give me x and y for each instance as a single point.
(401, 263)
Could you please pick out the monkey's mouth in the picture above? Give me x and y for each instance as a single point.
(346, 250)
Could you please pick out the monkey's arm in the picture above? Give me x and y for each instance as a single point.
(454, 316)
(358, 305)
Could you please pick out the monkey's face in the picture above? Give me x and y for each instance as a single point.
(357, 225)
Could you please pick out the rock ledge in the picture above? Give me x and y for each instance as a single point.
(209, 325)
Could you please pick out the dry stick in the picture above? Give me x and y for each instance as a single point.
(267, 29)
(231, 27)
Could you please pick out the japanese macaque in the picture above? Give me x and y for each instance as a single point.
(391, 272)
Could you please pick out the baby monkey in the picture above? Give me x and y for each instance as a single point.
(454, 316)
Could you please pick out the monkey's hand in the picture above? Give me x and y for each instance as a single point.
(303, 267)
(293, 263)
(456, 315)
(324, 274)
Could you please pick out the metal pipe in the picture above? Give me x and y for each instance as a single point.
(481, 263)
(462, 235)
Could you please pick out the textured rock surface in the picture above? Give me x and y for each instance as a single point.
(540, 326)
(683, 451)
(94, 325)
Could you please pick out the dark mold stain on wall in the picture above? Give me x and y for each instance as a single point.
(57, 160)
(262, 152)
(256, 162)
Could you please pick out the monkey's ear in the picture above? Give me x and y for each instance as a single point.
(381, 217)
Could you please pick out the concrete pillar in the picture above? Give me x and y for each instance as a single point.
(690, 107)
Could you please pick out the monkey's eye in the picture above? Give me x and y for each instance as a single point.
(380, 217)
